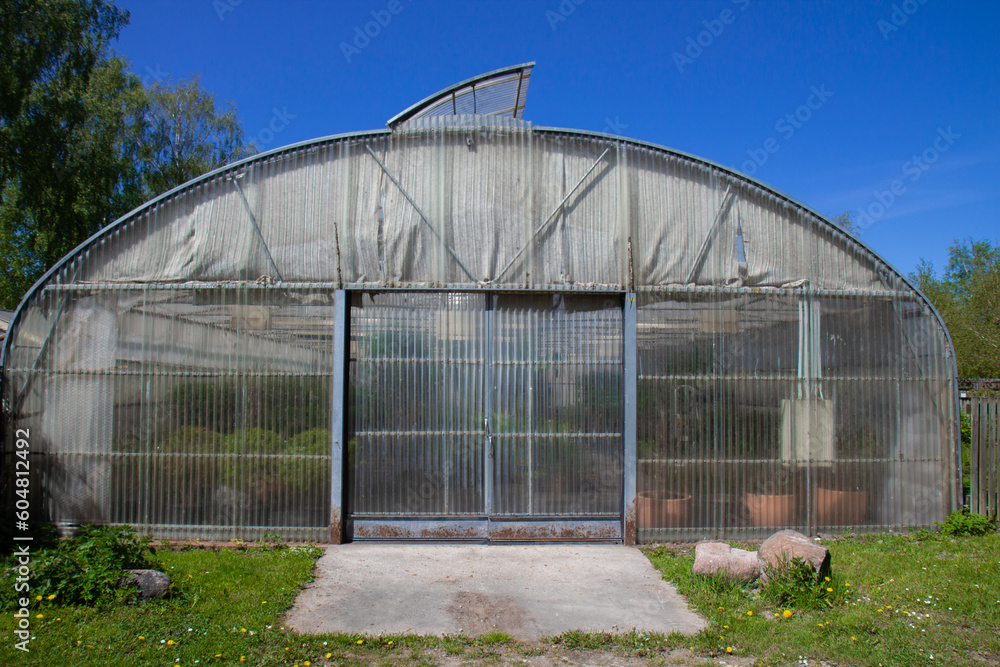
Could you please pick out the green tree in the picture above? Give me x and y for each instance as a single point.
(81, 141)
(968, 298)
(59, 182)
(846, 222)
(187, 136)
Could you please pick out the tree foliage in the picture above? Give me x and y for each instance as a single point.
(59, 182)
(968, 298)
(81, 141)
(187, 136)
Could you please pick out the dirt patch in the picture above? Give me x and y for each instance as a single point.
(480, 613)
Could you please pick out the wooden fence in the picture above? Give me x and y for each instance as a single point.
(984, 494)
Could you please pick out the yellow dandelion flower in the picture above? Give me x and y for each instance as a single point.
(888, 606)
(39, 616)
(390, 642)
(329, 655)
(244, 630)
(787, 613)
(826, 578)
(170, 642)
(39, 598)
(749, 613)
(829, 590)
(51, 597)
(360, 642)
(847, 585)
(879, 611)
(263, 601)
(218, 655)
(722, 608)
(58, 619)
(820, 625)
(243, 658)
(729, 649)
(854, 639)
(307, 663)
(141, 637)
(190, 577)
(726, 627)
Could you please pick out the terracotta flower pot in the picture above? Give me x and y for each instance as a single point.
(663, 509)
(838, 508)
(768, 510)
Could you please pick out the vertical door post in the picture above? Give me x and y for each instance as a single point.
(630, 459)
(338, 415)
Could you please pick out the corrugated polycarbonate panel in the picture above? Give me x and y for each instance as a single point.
(416, 445)
(186, 413)
(758, 411)
(558, 407)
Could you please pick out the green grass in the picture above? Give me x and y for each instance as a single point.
(897, 601)
(903, 601)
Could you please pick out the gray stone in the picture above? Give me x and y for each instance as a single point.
(151, 583)
(719, 558)
(783, 547)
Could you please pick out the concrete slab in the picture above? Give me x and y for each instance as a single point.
(526, 591)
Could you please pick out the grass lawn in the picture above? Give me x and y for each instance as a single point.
(896, 601)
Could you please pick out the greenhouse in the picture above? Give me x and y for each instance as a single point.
(467, 327)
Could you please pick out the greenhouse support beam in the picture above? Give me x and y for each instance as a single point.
(551, 217)
(719, 217)
(339, 406)
(630, 457)
(451, 251)
(256, 229)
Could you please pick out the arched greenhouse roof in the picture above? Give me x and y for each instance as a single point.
(477, 202)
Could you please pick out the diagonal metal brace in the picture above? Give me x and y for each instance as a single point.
(542, 227)
(727, 201)
(423, 217)
(256, 229)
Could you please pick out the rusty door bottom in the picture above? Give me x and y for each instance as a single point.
(488, 530)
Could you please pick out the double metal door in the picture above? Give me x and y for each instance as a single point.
(485, 416)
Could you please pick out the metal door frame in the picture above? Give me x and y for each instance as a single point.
(487, 527)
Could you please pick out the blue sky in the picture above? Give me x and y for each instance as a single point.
(889, 109)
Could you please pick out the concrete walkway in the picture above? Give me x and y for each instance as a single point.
(526, 591)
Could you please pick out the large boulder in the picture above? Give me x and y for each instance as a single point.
(719, 558)
(783, 547)
(150, 583)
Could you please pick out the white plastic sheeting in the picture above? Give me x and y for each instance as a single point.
(479, 202)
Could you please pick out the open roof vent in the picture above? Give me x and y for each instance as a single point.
(497, 93)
